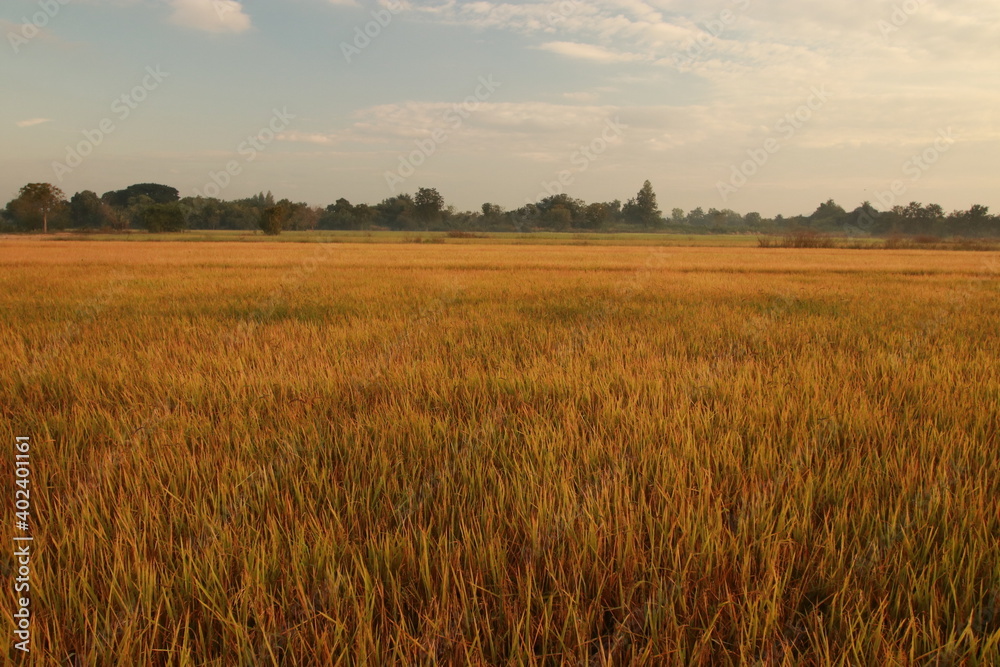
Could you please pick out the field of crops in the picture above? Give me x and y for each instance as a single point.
(485, 454)
(452, 237)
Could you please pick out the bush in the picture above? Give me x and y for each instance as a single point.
(271, 220)
(807, 238)
(803, 238)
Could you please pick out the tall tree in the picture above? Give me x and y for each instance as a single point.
(339, 215)
(396, 212)
(301, 216)
(428, 204)
(36, 201)
(364, 215)
(561, 211)
(597, 215)
(643, 209)
(829, 215)
(159, 194)
(87, 210)
(492, 211)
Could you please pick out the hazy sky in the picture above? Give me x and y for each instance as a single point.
(769, 106)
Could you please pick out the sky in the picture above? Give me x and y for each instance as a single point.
(760, 106)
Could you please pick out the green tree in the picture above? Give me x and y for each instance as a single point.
(364, 215)
(598, 214)
(299, 216)
(643, 210)
(975, 222)
(492, 212)
(396, 212)
(261, 200)
(551, 211)
(864, 220)
(204, 212)
(717, 220)
(159, 194)
(828, 215)
(35, 205)
(696, 217)
(86, 210)
(340, 215)
(427, 205)
(272, 219)
(159, 218)
(135, 211)
(526, 218)
(558, 217)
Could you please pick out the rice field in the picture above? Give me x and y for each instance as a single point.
(453, 237)
(485, 454)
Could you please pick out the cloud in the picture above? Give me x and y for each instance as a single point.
(17, 34)
(210, 15)
(33, 121)
(306, 137)
(588, 52)
(543, 130)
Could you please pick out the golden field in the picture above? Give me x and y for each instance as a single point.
(478, 454)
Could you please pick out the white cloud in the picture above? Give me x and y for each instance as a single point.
(33, 121)
(755, 62)
(588, 52)
(485, 125)
(307, 138)
(210, 15)
(545, 132)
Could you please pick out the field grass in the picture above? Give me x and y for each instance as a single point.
(475, 238)
(319, 454)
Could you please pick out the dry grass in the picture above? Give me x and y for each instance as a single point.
(806, 238)
(290, 454)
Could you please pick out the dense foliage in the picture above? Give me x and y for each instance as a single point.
(159, 208)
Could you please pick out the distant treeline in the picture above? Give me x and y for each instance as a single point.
(159, 208)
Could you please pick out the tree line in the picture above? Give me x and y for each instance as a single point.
(159, 208)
